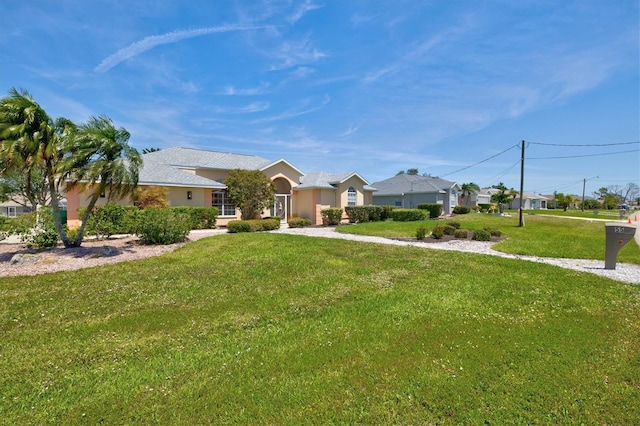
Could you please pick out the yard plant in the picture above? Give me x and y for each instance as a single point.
(283, 329)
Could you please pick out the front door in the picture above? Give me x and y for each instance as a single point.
(282, 207)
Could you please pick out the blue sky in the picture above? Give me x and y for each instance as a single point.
(367, 86)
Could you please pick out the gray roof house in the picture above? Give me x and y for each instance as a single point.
(408, 191)
(195, 177)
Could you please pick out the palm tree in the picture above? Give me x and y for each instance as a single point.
(102, 162)
(468, 189)
(30, 142)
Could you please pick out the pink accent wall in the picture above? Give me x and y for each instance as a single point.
(73, 203)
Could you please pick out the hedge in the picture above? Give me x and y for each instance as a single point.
(435, 210)
(298, 222)
(408, 215)
(162, 226)
(199, 217)
(256, 225)
(331, 216)
(359, 214)
(461, 209)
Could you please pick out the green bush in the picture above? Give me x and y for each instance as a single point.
(461, 210)
(386, 212)
(236, 226)
(461, 233)
(408, 215)
(435, 210)
(37, 229)
(449, 230)
(331, 216)
(421, 232)
(453, 223)
(484, 207)
(110, 219)
(199, 217)
(298, 222)
(438, 232)
(494, 232)
(482, 235)
(162, 226)
(256, 225)
(359, 214)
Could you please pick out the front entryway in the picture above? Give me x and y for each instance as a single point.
(282, 207)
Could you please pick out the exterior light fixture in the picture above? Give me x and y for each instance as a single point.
(189, 195)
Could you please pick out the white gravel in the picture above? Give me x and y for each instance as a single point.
(624, 272)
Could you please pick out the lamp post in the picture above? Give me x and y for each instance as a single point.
(584, 184)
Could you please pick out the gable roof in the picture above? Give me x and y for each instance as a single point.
(324, 180)
(404, 183)
(203, 159)
(167, 166)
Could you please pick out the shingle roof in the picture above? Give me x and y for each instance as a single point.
(324, 180)
(200, 158)
(164, 167)
(405, 183)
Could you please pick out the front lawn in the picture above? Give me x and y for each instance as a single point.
(283, 329)
(541, 235)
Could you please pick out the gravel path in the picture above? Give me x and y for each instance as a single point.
(624, 272)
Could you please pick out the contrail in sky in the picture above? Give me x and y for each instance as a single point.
(150, 42)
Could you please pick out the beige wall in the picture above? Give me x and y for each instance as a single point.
(343, 190)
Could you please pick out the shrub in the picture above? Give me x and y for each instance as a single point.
(386, 212)
(408, 215)
(421, 232)
(475, 208)
(152, 196)
(461, 210)
(461, 233)
(236, 226)
(494, 232)
(162, 226)
(484, 207)
(453, 223)
(199, 217)
(255, 225)
(331, 216)
(105, 221)
(449, 230)
(481, 235)
(438, 232)
(435, 210)
(359, 214)
(298, 222)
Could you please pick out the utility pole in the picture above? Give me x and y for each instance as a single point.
(521, 223)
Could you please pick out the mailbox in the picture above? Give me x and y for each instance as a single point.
(618, 234)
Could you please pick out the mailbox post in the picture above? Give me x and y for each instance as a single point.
(618, 234)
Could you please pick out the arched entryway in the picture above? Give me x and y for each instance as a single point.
(282, 204)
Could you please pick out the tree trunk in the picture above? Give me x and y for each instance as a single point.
(55, 208)
(87, 212)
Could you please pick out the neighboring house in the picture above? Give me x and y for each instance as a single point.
(531, 201)
(407, 191)
(481, 197)
(12, 208)
(195, 177)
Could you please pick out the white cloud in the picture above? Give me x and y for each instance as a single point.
(250, 91)
(302, 10)
(150, 42)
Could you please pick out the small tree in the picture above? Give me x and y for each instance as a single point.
(563, 200)
(250, 191)
(152, 196)
(500, 198)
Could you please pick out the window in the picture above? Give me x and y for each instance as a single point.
(221, 201)
(351, 196)
(11, 212)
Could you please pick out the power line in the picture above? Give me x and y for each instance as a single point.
(579, 156)
(601, 144)
(480, 162)
(495, 178)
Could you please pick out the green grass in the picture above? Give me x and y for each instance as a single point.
(541, 236)
(282, 329)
